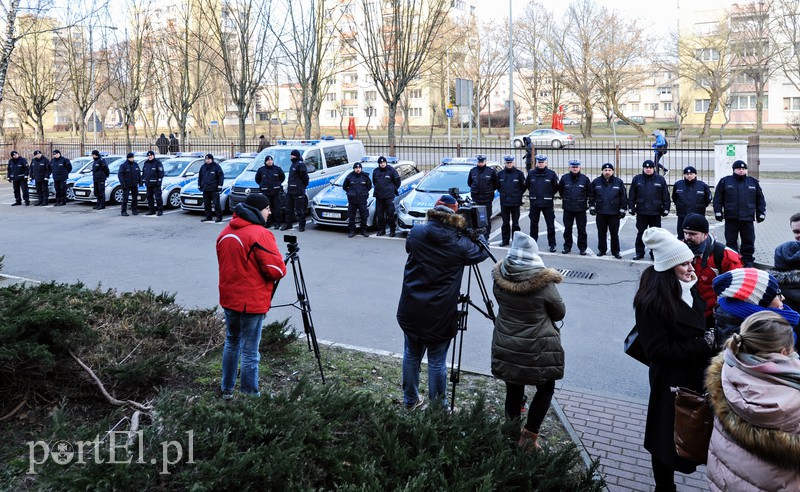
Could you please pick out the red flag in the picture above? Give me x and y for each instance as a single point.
(351, 127)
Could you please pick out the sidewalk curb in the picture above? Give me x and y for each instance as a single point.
(587, 460)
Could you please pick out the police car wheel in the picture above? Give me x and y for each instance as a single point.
(116, 195)
(70, 194)
(556, 144)
(517, 143)
(174, 198)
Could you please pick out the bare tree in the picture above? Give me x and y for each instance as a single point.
(242, 43)
(394, 44)
(786, 33)
(530, 33)
(486, 63)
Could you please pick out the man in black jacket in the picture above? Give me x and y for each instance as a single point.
(296, 192)
(357, 185)
(162, 143)
(386, 181)
(690, 195)
(542, 184)
(437, 255)
(574, 189)
(512, 186)
(649, 198)
(61, 167)
(152, 176)
(483, 182)
(18, 175)
(130, 178)
(270, 181)
(100, 173)
(210, 181)
(608, 201)
(40, 172)
(738, 200)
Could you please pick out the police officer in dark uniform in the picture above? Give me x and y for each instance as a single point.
(648, 200)
(40, 172)
(357, 185)
(386, 181)
(130, 178)
(152, 175)
(608, 201)
(61, 167)
(100, 173)
(483, 182)
(210, 181)
(542, 184)
(690, 195)
(512, 186)
(270, 181)
(738, 200)
(18, 175)
(574, 189)
(296, 192)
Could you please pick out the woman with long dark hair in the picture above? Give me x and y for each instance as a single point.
(669, 318)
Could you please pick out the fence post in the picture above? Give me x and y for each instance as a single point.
(617, 156)
(113, 146)
(231, 153)
(458, 149)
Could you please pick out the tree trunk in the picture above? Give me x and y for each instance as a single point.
(712, 103)
(586, 127)
(391, 124)
(242, 129)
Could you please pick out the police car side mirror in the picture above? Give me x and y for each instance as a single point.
(310, 168)
(331, 181)
(414, 186)
(189, 175)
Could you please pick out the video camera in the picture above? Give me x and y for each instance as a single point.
(291, 244)
(475, 215)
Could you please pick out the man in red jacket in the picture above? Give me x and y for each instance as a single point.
(249, 265)
(711, 258)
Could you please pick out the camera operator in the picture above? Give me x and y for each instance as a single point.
(249, 264)
(483, 182)
(437, 255)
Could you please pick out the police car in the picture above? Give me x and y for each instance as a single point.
(84, 187)
(451, 173)
(192, 197)
(329, 207)
(326, 158)
(179, 171)
(81, 166)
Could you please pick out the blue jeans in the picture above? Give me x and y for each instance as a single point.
(243, 337)
(437, 370)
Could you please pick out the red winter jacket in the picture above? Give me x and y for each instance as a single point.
(249, 263)
(706, 275)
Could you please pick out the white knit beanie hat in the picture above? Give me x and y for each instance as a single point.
(668, 252)
(524, 251)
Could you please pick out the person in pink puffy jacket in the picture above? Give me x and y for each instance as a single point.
(754, 387)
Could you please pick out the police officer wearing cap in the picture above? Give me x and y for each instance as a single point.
(512, 186)
(357, 185)
(40, 173)
(690, 195)
(152, 175)
(386, 181)
(542, 184)
(61, 167)
(18, 175)
(270, 181)
(574, 189)
(296, 192)
(100, 173)
(738, 200)
(130, 178)
(483, 182)
(608, 201)
(648, 201)
(210, 181)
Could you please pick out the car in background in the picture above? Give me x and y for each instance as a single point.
(81, 166)
(530, 120)
(545, 137)
(84, 187)
(179, 171)
(329, 206)
(571, 121)
(640, 120)
(451, 173)
(192, 197)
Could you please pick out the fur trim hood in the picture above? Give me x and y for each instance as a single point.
(449, 219)
(771, 445)
(791, 277)
(540, 280)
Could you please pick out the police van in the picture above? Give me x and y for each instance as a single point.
(326, 158)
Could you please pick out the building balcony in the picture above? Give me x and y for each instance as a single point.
(665, 97)
(350, 102)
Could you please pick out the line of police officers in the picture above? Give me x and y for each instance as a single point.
(738, 201)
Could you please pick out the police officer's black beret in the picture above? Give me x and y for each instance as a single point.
(209, 156)
(740, 164)
(150, 152)
(689, 169)
(357, 165)
(381, 159)
(56, 152)
(648, 163)
(607, 165)
(96, 152)
(130, 154)
(296, 153)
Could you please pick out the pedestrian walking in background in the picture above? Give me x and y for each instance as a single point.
(574, 188)
(40, 172)
(648, 200)
(511, 183)
(152, 177)
(690, 195)
(130, 178)
(754, 388)
(210, 183)
(18, 176)
(296, 192)
(270, 181)
(526, 344)
(61, 167)
(100, 174)
(738, 200)
(357, 185)
(173, 144)
(162, 143)
(542, 184)
(659, 146)
(263, 143)
(386, 181)
(528, 152)
(787, 272)
(673, 334)
(608, 201)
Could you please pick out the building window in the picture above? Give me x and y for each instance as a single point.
(369, 112)
(634, 107)
(741, 101)
(791, 103)
(331, 96)
(701, 105)
(350, 78)
(651, 107)
(415, 93)
(414, 112)
(350, 95)
(706, 54)
(667, 106)
(623, 107)
(332, 113)
(664, 89)
(371, 95)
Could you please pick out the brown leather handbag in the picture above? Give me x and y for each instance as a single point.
(694, 421)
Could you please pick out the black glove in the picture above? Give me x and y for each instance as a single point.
(718, 217)
(710, 339)
(665, 213)
(621, 214)
(633, 213)
(592, 211)
(219, 189)
(760, 219)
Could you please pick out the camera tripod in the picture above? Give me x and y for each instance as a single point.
(462, 313)
(302, 303)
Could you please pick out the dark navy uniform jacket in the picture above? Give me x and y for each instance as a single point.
(357, 185)
(386, 182)
(211, 177)
(153, 172)
(61, 167)
(129, 174)
(298, 178)
(40, 168)
(270, 179)
(100, 170)
(574, 189)
(690, 197)
(739, 198)
(512, 186)
(17, 169)
(608, 196)
(542, 187)
(648, 195)
(482, 182)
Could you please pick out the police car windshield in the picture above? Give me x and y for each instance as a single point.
(114, 166)
(367, 169)
(81, 162)
(234, 167)
(174, 167)
(442, 179)
(282, 157)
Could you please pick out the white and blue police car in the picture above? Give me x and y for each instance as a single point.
(179, 172)
(84, 187)
(192, 197)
